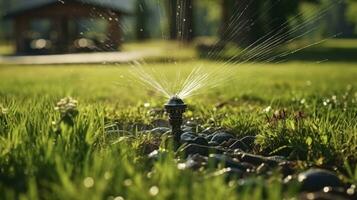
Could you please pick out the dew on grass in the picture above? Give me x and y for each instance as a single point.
(119, 198)
(128, 182)
(154, 190)
(107, 175)
(88, 182)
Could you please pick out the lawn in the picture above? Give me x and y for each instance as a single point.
(42, 156)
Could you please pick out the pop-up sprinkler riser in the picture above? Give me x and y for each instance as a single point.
(175, 107)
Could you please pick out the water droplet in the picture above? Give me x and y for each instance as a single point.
(128, 182)
(119, 198)
(154, 190)
(110, 19)
(88, 182)
(107, 175)
(141, 30)
(184, 20)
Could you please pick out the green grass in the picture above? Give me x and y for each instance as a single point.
(84, 162)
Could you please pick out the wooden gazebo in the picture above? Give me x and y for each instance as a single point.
(60, 13)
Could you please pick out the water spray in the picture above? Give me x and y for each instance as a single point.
(175, 107)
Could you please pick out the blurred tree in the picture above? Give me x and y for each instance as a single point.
(180, 14)
(171, 7)
(142, 20)
(245, 21)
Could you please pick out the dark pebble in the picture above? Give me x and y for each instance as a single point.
(191, 149)
(316, 179)
(249, 141)
(191, 138)
(255, 159)
(239, 145)
(226, 161)
(209, 137)
(208, 130)
(187, 129)
(213, 144)
(220, 137)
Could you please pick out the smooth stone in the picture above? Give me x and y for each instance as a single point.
(255, 159)
(187, 129)
(160, 130)
(200, 141)
(191, 149)
(249, 141)
(220, 137)
(214, 144)
(227, 161)
(191, 138)
(239, 145)
(209, 137)
(208, 130)
(316, 179)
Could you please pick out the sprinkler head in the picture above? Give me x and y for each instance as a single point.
(175, 107)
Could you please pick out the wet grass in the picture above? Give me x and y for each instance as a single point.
(302, 110)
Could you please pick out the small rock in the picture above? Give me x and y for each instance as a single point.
(216, 159)
(191, 149)
(239, 145)
(316, 179)
(249, 141)
(208, 131)
(255, 159)
(187, 129)
(209, 137)
(213, 144)
(191, 138)
(220, 137)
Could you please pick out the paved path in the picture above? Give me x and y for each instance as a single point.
(80, 58)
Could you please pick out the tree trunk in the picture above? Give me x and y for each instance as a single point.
(142, 20)
(172, 16)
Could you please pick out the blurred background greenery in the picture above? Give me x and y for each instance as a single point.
(209, 20)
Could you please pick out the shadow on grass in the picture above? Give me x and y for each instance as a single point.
(338, 54)
(338, 51)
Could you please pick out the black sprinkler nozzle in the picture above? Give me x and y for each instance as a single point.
(175, 107)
